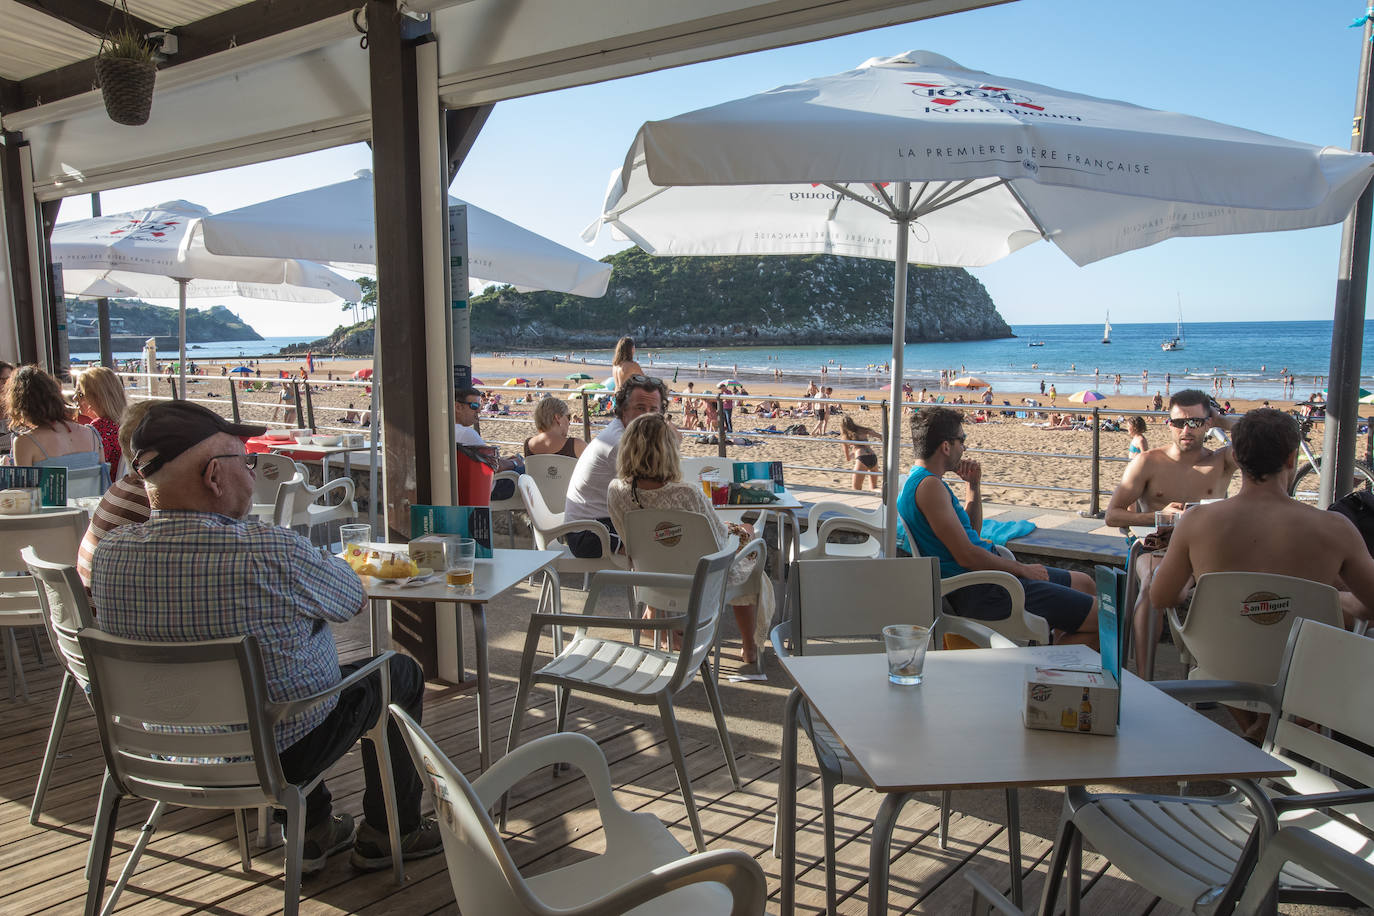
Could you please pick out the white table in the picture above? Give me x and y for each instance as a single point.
(491, 577)
(961, 729)
(787, 508)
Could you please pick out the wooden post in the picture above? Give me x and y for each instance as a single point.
(234, 398)
(309, 407)
(720, 427)
(296, 396)
(1095, 478)
(886, 446)
(586, 419)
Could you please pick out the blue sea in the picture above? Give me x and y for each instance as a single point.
(1251, 353)
(217, 349)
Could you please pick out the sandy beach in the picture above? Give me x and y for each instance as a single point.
(1012, 450)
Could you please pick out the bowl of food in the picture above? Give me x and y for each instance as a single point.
(327, 440)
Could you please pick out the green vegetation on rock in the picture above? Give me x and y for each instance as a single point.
(145, 320)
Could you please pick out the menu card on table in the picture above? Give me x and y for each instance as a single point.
(759, 470)
(52, 482)
(1111, 591)
(463, 521)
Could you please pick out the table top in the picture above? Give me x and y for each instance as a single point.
(491, 577)
(1075, 545)
(786, 502)
(961, 728)
(320, 449)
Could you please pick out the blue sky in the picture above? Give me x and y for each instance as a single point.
(1282, 68)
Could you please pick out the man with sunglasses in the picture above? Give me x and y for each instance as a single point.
(467, 406)
(1166, 479)
(200, 568)
(596, 468)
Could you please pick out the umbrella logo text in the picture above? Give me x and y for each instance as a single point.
(952, 95)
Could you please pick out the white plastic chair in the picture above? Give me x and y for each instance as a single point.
(311, 506)
(512, 504)
(1229, 636)
(841, 606)
(268, 476)
(826, 518)
(549, 529)
(163, 705)
(65, 612)
(643, 865)
(635, 674)
(679, 553)
(55, 535)
(1295, 845)
(552, 474)
(1197, 853)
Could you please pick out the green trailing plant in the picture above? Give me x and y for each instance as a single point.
(127, 44)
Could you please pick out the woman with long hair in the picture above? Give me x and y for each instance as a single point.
(623, 363)
(100, 403)
(1136, 425)
(856, 437)
(43, 434)
(650, 477)
(552, 419)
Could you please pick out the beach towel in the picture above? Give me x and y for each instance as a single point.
(1001, 532)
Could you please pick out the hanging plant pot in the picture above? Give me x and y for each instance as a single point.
(126, 85)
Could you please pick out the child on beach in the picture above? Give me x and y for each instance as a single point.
(863, 456)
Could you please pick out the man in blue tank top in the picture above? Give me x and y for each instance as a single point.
(942, 528)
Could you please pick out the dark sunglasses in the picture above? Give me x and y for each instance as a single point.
(639, 380)
(475, 405)
(1190, 422)
(249, 461)
(963, 438)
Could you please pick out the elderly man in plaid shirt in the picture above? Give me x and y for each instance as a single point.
(200, 569)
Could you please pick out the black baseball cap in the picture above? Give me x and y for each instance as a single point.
(173, 427)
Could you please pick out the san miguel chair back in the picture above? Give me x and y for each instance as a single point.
(642, 862)
(191, 724)
(631, 673)
(65, 613)
(551, 474)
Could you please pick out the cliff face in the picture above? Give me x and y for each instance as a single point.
(139, 318)
(693, 302)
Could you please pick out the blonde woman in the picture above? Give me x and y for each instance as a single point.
(552, 419)
(623, 363)
(100, 403)
(650, 477)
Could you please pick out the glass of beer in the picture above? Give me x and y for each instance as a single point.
(460, 556)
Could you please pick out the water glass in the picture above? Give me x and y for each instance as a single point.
(460, 556)
(1164, 520)
(355, 534)
(906, 652)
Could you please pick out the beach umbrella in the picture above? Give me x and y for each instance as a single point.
(158, 252)
(335, 223)
(732, 382)
(240, 370)
(592, 386)
(512, 382)
(968, 381)
(477, 381)
(577, 376)
(919, 160)
(362, 374)
(1087, 396)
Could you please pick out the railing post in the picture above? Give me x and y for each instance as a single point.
(886, 445)
(1095, 503)
(309, 407)
(233, 399)
(720, 427)
(586, 419)
(296, 396)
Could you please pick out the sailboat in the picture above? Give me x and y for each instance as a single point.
(1107, 330)
(1175, 342)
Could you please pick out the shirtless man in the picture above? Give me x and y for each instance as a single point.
(1263, 529)
(1167, 479)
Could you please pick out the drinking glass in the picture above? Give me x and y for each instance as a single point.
(720, 494)
(355, 534)
(906, 653)
(1164, 520)
(460, 556)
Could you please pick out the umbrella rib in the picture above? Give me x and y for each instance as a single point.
(1025, 209)
(949, 196)
(845, 192)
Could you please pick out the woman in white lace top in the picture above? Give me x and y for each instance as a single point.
(650, 477)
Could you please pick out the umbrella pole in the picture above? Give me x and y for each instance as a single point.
(892, 458)
(181, 334)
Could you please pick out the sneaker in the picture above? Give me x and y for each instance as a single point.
(372, 849)
(334, 835)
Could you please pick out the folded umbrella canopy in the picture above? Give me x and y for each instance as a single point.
(919, 160)
(158, 252)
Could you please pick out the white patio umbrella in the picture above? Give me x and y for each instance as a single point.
(918, 160)
(334, 223)
(158, 252)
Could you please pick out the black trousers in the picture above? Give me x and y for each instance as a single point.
(357, 712)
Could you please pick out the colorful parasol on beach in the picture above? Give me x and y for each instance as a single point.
(968, 381)
(362, 374)
(732, 382)
(577, 376)
(592, 386)
(241, 370)
(474, 380)
(512, 382)
(1087, 396)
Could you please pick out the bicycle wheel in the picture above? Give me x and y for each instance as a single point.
(1306, 481)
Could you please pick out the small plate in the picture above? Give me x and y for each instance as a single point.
(424, 575)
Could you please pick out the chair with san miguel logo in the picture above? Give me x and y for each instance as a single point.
(1237, 624)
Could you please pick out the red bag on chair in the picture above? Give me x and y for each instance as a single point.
(474, 479)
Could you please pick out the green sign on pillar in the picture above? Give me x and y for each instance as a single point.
(458, 295)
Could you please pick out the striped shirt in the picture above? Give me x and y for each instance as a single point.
(196, 575)
(124, 503)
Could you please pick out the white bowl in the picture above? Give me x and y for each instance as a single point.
(327, 440)
(301, 434)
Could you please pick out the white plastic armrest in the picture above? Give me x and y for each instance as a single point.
(734, 869)
(279, 711)
(1004, 552)
(595, 527)
(973, 631)
(988, 577)
(323, 490)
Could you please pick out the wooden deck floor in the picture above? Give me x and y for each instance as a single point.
(192, 863)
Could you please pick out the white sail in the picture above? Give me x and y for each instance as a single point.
(1107, 329)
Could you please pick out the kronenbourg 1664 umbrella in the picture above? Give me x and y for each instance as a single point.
(334, 223)
(1087, 396)
(158, 252)
(917, 159)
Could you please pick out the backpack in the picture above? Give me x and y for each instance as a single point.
(1358, 506)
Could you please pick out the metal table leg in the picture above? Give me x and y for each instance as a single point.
(880, 848)
(785, 829)
(479, 639)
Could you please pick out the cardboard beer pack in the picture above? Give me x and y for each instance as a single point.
(1071, 699)
(459, 521)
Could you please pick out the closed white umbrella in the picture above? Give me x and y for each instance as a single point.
(334, 223)
(104, 255)
(919, 160)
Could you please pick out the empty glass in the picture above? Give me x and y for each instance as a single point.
(906, 652)
(355, 534)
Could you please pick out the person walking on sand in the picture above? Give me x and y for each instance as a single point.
(623, 364)
(855, 438)
(1053, 394)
